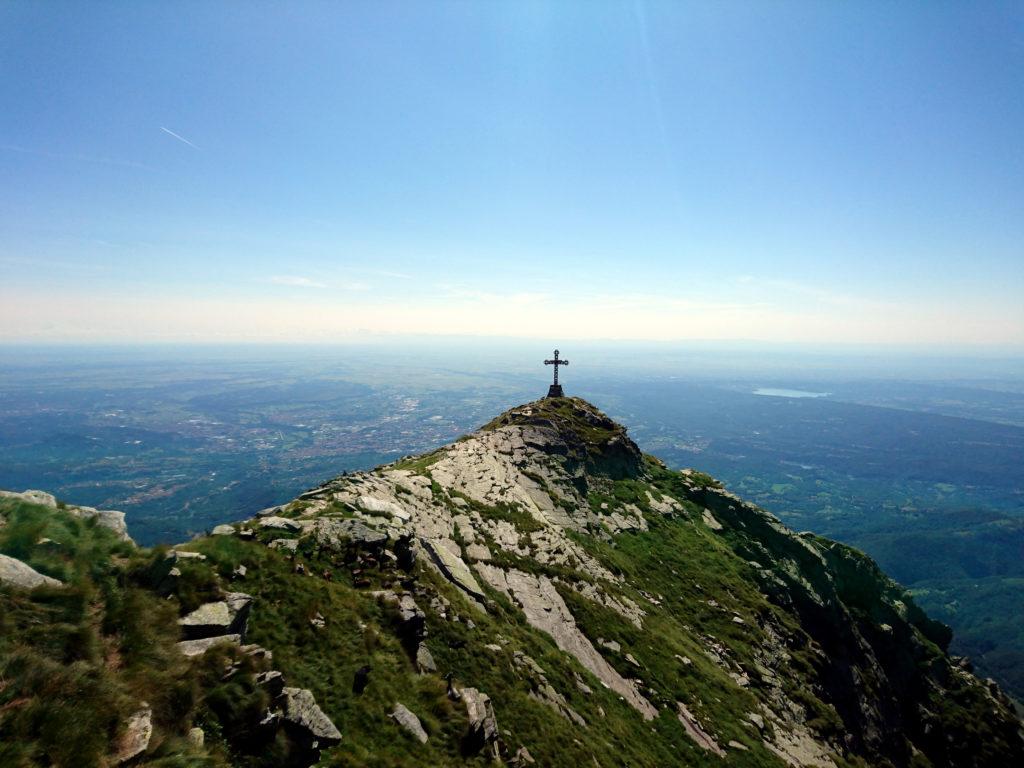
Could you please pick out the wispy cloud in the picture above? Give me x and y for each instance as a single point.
(806, 291)
(387, 273)
(182, 139)
(295, 281)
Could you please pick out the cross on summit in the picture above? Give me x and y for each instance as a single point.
(555, 390)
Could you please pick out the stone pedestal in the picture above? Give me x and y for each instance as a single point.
(555, 390)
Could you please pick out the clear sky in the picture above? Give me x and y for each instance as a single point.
(820, 172)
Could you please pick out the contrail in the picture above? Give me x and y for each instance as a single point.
(179, 138)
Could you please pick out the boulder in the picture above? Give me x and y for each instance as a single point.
(137, 733)
(521, 758)
(425, 663)
(382, 507)
(196, 738)
(19, 574)
(483, 726)
(285, 545)
(33, 497)
(271, 511)
(178, 555)
(405, 718)
(223, 530)
(279, 523)
(108, 518)
(229, 616)
(305, 721)
(199, 647)
(166, 570)
(340, 535)
(271, 681)
(710, 521)
(453, 567)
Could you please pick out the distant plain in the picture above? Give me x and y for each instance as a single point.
(920, 469)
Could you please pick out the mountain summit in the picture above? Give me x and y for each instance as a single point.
(538, 592)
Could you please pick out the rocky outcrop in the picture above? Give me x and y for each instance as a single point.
(279, 523)
(587, 588)
(229, 616)
(405, 718)
(108, 518)
(137, 734)
(305, 721)
(542, 690)
(19, 574)
(694, 730)
(482, 734)
(201, 646)
(453, 567)
(546, 610)
(334, 535)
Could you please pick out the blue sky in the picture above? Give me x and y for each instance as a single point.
(789, 172)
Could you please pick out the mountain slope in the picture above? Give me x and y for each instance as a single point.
(585, 603)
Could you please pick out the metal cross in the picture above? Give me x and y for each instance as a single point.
(556, 362)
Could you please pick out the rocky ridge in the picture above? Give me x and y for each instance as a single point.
(671, 619)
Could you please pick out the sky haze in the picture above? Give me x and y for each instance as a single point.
(786, 172)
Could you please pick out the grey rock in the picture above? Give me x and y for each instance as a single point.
(33, 497)
(302, 716)
(710, 521)
(405, 718)
(425, 663)
(271, 681)
(108, 518)
(199, 647)
(338, 535)
(178, 555)
(196, 737)
(285, 545)
(522, 757)
(694, 730)
(19, 574)
(229, 616)
(453, 567)
(545, 609)
(135, 739)
(383, 506)
(223, 530)
(257, 652)
(279, 523)
(483, 726)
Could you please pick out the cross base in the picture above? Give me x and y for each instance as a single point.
(555, 390)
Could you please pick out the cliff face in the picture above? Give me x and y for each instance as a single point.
(537, 591)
